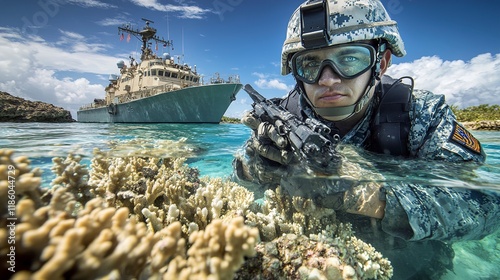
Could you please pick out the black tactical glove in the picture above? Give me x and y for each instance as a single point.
(266, 141)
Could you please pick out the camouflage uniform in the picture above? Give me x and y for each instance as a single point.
(434, 133)
(432, 212)
(424, 215)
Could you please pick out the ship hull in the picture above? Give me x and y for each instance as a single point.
(200, 104)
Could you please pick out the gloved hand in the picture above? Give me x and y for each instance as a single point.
(356, 188)
(266, 156)
(361, 199)
(365, 199)
(266, 141)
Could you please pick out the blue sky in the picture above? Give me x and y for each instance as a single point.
(62, 51)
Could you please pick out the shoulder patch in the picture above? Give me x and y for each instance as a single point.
(464, 138)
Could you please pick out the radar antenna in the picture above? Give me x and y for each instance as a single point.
(145, 35)
(147, 21)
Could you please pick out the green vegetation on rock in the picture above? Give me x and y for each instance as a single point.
(229, 120)
(484, 112)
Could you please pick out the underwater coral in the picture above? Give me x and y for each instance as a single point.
(137, 216)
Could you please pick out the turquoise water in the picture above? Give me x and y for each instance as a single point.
(212, 150)
(213, 145)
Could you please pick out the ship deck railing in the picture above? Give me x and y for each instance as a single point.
(143, 93)
(232, 79)
(147, 92)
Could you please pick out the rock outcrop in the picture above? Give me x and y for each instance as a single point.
(483, 125)
(16, 109)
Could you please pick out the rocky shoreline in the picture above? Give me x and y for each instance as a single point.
(483, 125)
(17, 109)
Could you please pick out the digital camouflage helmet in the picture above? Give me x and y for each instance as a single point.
(321, 23)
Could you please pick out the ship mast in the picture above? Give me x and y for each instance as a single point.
(147, 34)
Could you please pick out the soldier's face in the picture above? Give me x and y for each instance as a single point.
(333, 91)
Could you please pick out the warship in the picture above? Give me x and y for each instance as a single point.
(159, 90)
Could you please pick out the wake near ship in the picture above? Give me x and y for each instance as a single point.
(160, 90)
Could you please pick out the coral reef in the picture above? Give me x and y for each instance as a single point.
(143, 217)
(298, 257)
(301, 240)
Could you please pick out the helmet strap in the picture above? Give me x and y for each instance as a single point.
(381, 47)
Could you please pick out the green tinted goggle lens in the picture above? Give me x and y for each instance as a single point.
(348, 61)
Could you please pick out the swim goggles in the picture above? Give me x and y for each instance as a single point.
(348, 61)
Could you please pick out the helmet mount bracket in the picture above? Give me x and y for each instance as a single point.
(381, 47)
(314, 18)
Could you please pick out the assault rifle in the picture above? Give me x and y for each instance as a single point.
(308, 139)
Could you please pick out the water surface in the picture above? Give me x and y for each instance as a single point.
(212, 148)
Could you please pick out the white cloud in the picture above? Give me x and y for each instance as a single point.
(77, 43)
(65, 55)
(37, 70)
(118, 20)
(272, 84)
(91, 4)
(43, 85)
(464, 83)
(243, 101)
(192, 12)
(266, 82)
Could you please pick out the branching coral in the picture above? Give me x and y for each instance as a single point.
(216, 252)
(62, 239)
(98, 242)
(17, 180)
(281, 214)
(330, 252)
(146, 217)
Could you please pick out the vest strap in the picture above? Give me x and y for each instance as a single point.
(391, 122)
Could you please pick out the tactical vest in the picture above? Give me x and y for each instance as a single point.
(391, 120)
(390, 123)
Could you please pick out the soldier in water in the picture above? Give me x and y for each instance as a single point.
(338, 52)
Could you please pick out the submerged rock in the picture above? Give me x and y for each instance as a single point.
(17, 109)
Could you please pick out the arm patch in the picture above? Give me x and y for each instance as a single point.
(464, 138)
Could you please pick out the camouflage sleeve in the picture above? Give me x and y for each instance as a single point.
(436, 134)
(416, 212)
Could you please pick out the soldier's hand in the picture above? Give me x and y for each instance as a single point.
(365, 200)
(266, 140)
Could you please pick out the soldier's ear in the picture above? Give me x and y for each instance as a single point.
(385, 62)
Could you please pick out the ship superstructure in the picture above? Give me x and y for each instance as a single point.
(156, 80)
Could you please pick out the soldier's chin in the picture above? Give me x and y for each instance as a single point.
(336, 118)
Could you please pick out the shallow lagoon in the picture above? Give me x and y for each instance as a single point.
(211, 151)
